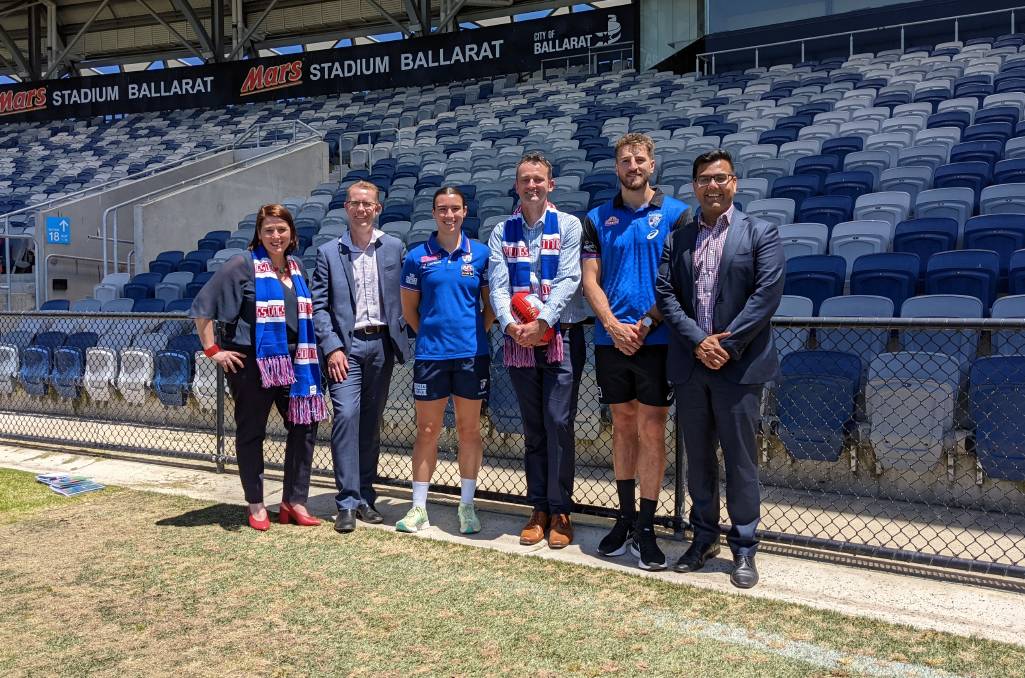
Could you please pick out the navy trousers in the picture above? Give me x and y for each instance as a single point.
(358, 404)
(547, 395)
(253, 403)
(715, 411)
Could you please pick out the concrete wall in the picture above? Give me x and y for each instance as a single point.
(86, 216)
(177, 219)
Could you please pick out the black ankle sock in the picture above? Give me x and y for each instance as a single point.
(625, 490)
(646, 518)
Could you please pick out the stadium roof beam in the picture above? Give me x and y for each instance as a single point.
(56, 63)
(416, 21)
(251, 30)
(390, 19)
(197, 27)
(16, 54)
(171, 29)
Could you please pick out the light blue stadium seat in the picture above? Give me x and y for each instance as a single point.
(1003, 199)
(865, 342)
(889, 206)
(790, 339)
(775, 210)
(853, 239)
(961, 344)
(953, 203)
(1009, 342)
(803, 239)
(911, 401)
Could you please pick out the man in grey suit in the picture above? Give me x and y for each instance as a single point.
(358, 318)
(720, 282)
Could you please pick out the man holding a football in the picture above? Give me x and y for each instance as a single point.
(621, 245)
(535, 291)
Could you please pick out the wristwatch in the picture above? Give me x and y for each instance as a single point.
(649, 321)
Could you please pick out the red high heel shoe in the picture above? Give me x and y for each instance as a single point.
(288, 514)
(260, 525)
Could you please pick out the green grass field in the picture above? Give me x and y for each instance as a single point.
(131, 583)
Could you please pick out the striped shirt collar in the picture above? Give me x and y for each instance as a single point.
(725, 219)
(346, 238)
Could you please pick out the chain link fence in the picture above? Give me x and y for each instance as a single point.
(902, 438)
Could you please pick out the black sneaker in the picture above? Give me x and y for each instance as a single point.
(644, 547)
(616, 541)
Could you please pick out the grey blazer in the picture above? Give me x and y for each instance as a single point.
(748, 292)
(334, 303)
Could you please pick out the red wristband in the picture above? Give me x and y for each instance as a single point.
(212, 351)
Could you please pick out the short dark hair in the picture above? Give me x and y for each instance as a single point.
(535, 157)
(280, 212)
(710, 157)
(447, 190)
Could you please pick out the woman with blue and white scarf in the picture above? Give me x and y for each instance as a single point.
(269, 355)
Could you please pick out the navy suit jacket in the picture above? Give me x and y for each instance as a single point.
(334, 302)
(747, 295)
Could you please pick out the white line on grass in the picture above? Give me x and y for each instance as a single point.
(809, 653)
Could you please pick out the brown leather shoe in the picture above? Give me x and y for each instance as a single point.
(534, 531)
(561, 533)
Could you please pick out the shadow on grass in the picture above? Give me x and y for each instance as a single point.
(228, 517)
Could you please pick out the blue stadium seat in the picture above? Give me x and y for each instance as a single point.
(1016, 272)
(958, 119)
(816, 276)
(910, 400)
(172, 377)
(199, 279)
(37, 362)
(815, 402)
(996, 395)
(988, 152)
(1001, 233)
(179, 305)
(797, 188)
(973, 273)
(893, 275)
(195, 261)
(1009, 171)
(185, 343)
(1008, 114)
(997, 131)
(503, 408)
(853, 184)
(69, 364)
(817, 165)
(841, 147)
(826, 209)
(778, 136)
(974, 175)
(148, 306)
(142, 286)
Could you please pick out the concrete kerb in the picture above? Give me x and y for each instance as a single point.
(881, 591)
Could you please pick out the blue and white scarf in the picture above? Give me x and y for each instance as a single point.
(277, 368)
(517, 259)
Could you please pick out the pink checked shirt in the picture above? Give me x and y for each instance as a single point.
(707, 253)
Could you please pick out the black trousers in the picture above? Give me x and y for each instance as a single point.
(548, 404)
(253, 403)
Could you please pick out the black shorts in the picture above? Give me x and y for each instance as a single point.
(467, 378)
(640, 377)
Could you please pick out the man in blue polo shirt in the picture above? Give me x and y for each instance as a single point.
(620, 249)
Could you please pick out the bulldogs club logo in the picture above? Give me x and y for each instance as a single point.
(24, 101)
(267, 78)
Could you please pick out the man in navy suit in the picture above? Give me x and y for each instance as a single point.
(357, 314)
(720, 281)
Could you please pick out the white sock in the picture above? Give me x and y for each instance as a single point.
(420, 494)
(468, 486)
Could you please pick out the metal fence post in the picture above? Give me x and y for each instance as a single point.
(219, 453)
(679, 522)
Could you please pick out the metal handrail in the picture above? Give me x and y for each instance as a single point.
(241, 163)
(703, 55)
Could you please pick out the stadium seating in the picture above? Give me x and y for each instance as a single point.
(815, 402)
(816, 277)
(789, 339)
(910, 399)
(996, 396)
